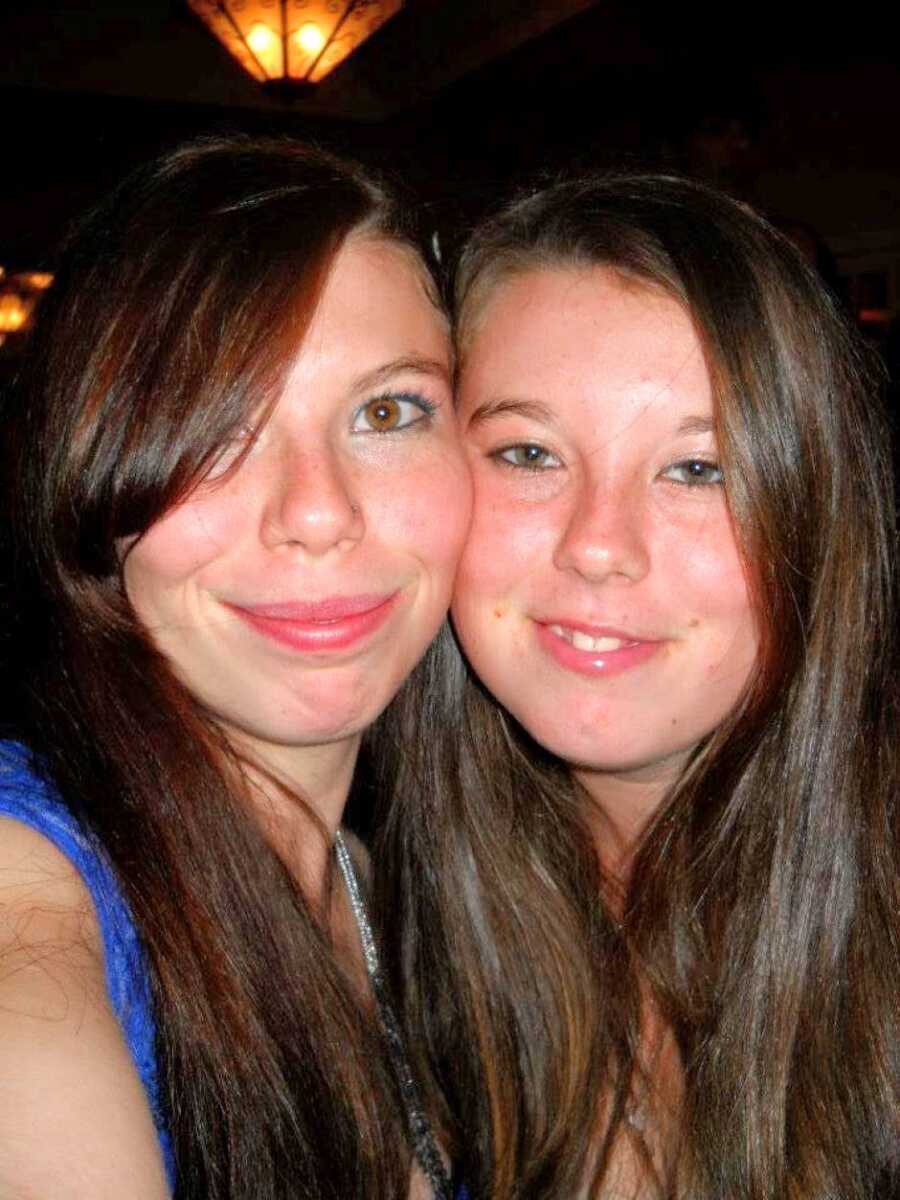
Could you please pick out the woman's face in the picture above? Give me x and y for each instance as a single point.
(294, 594)
(601, 596)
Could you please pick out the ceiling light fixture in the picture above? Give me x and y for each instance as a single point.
(291, 45)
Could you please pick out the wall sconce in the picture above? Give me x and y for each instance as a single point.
(19, 295)
(291, 45)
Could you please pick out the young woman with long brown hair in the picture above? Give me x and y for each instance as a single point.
(234, 500)
(662, 828)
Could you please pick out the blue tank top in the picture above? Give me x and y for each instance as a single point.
(26, 797)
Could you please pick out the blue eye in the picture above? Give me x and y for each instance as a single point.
(392, 412)
(694, 472)
(527, 456)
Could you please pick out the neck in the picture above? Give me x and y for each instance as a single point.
(624, 805)
(299, 794)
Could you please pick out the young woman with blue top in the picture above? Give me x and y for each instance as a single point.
(234, 500)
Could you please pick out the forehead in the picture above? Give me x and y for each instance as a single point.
(375, 295)
(585, 330)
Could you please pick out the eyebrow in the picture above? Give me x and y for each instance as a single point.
(531, 410)
(696, 425)
(409, 364)
(535, 410)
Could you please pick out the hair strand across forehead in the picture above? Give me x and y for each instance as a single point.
(175, 314)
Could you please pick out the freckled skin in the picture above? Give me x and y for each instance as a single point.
(613, 536)
(319, 509)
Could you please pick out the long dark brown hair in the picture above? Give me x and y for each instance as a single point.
(762, 915)
(176, 311)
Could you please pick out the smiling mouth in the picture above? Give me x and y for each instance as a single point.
(600, 653)
(597, 645)
(323, 627)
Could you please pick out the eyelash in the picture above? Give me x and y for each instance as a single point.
(232, 450)
(688, 465)
(500, 456)
(692, 481)
(425, 407)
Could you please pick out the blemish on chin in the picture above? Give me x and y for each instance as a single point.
(499, 614)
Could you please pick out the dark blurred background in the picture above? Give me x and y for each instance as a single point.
(794, 107)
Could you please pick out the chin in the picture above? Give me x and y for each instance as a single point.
(611, 755)
(322, 726)
(660, 761)
(325, 730)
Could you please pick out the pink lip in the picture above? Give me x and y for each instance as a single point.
(337, 623)
(633, 653)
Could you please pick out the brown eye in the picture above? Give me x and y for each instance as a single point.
(393, 413)
(383, 414)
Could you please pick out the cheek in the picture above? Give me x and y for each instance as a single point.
(176, 547)
(715, 596)
(702, 565)
(427, 514)
(508, 541)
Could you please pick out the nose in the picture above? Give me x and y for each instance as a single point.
(313, 505)
(605, 536)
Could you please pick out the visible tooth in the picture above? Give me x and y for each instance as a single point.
(583, 641)
(607, 643)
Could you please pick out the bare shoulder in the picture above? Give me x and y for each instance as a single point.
(41, 893)
(74, 1118)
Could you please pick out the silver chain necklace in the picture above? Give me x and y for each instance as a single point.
(420, 1133)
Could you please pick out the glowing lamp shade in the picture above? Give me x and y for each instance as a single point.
(310, 38)
(34, 281)
(14, 313)
(292, 42)
(19, 296)
(266, 48)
